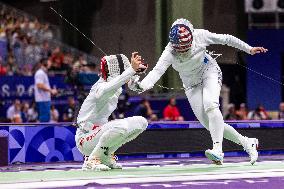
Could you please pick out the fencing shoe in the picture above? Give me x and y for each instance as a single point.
(215, 156)
(94, 164)
(250, 146)
(111, 162)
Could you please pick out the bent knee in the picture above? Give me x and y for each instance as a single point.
(142, 122)
(210, 105)
(139, 122)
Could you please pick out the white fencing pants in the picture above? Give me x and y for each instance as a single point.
(204, 101)
(111, 136)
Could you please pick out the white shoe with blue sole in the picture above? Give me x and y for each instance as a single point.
(215, 156)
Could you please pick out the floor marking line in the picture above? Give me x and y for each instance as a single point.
(54, 184)
(188, 178)
(218, 172)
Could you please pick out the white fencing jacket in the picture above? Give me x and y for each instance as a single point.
(102, 101)
(192, 64)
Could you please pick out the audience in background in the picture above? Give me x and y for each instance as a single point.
(68, 61)
(122, 106)
(258, 114)
(22, 36)
(45, 51)
(27, 41)
(32, 115)
(26, 112)
(231, 113)
(25, 109)
(69, 111)
(80, 63)
(56, 60)
(24, 41)
(171, 111)
(281, 111)
(144, 109)
(17, 118)
(14, 112)
(242, 113)
(3, 69)
(46, 32)
(54, 115)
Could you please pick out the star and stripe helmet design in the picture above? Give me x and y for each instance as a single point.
(181, 35)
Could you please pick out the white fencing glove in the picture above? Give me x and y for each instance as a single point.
(134, 84)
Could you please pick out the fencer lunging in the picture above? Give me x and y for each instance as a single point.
(97, 138)
(202, 80)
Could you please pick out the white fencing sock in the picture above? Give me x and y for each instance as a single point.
(216, 127)
(231, 134)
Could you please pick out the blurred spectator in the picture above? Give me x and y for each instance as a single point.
(54, 114)
(45, 51)
(45, 32)
(242, 113)
(232, 113)
(32, 114)
(12, 67)
(34, 27)
(21, 52)
(26, 70)
(25, 109)
(17, 118)
(171, 112)
(3, 70)
(43, 92)
(123, 105)
(281, 111)
(14, 112)
(17, 47)
(68, 61)
(262, 109)
(144, 109)
(81, 63)
(32, 52)
(56, 60)
(69, 112)
(258, 114)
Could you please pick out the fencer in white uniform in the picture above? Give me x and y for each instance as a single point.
(202, 80)
(96, 137)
